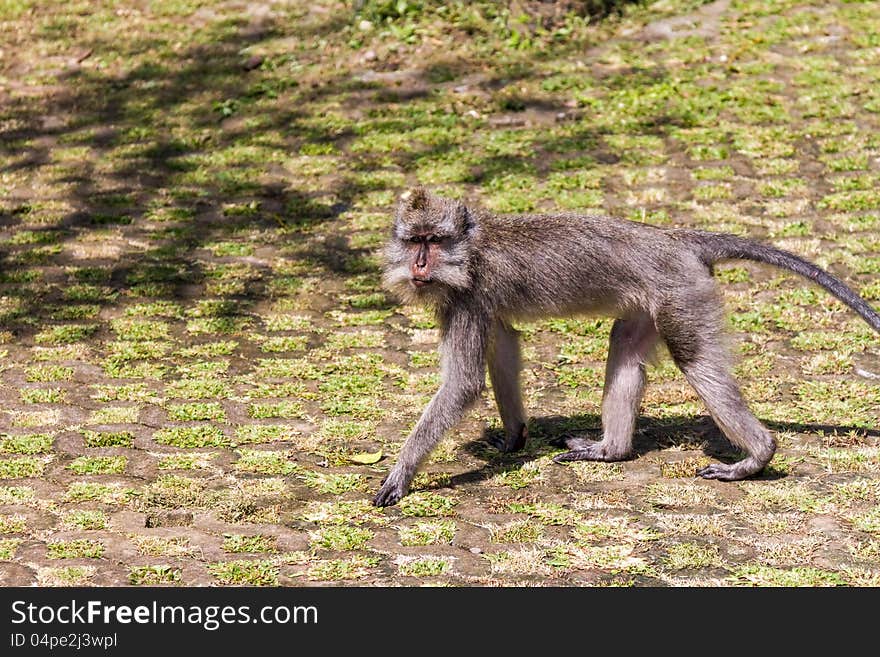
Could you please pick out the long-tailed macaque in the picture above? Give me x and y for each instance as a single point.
(480, 272)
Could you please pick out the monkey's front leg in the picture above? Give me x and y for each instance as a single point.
(445, 409)
(463, 350)
(504, 368)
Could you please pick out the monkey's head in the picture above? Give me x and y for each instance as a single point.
(430, 248)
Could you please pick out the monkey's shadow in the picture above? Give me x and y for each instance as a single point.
(547, 436)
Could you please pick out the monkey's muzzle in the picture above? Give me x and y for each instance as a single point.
(421, 282)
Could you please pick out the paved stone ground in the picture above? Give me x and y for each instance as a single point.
(197, 355)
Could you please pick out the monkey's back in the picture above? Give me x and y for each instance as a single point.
(569, 263)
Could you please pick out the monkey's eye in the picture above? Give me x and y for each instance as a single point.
(435, 239)
(415, 239)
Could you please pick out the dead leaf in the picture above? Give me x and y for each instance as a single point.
(366, 458)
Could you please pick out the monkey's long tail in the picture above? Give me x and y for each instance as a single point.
(719, 246)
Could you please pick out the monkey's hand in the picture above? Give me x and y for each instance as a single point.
(394, 487)
(510, 442)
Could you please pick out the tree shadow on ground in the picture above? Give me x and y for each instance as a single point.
(169, 156)
(177, 151)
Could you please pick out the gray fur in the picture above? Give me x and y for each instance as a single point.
(632, 341)
(482, 271)
(504, 368)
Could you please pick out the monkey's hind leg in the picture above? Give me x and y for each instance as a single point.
(722, 396)
(504, 369)
(705, 366)
(632, 341)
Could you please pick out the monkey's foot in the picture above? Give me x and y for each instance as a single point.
(394, 487)
(732, 472)
(510, 442)
(588, 450)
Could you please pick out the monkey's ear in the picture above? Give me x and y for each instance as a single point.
(416, 198)
(464, 218)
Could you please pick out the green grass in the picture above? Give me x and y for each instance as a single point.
(692, 555)
(339, 512)
(547, 513)
(12, 524)
(209, 349)
(115, 415)
(90, 465)
(335, 484)
(341, 537)
(48, 373)
(425, 567)
(75, 549)
(244, 543)
(265, 462)
(18, 468)
(158, 546)
(8, 546)
(520, 477)
(83, 491)
(799, 576)
(283, 343)
(16, 494)
(423, 504)
(355, 568)
(184, 461)
(43, 395)
(289, 409)
(35, 443)
(262, 433)
(33, 419)
(84, 519)
(126, 392)
(428, 533)
(197, 436)
(154, 575)
(66, 576)
(175, 491)
(127, 328)
(198, 388)
(518, 531)
(108, 438)
(196, 411)
(65, 334)
(244, 573)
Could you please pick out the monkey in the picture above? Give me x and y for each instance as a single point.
(480, 272)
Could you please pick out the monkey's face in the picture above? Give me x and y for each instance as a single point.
(429, 250)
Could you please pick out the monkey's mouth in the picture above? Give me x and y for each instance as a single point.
(421, 282)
